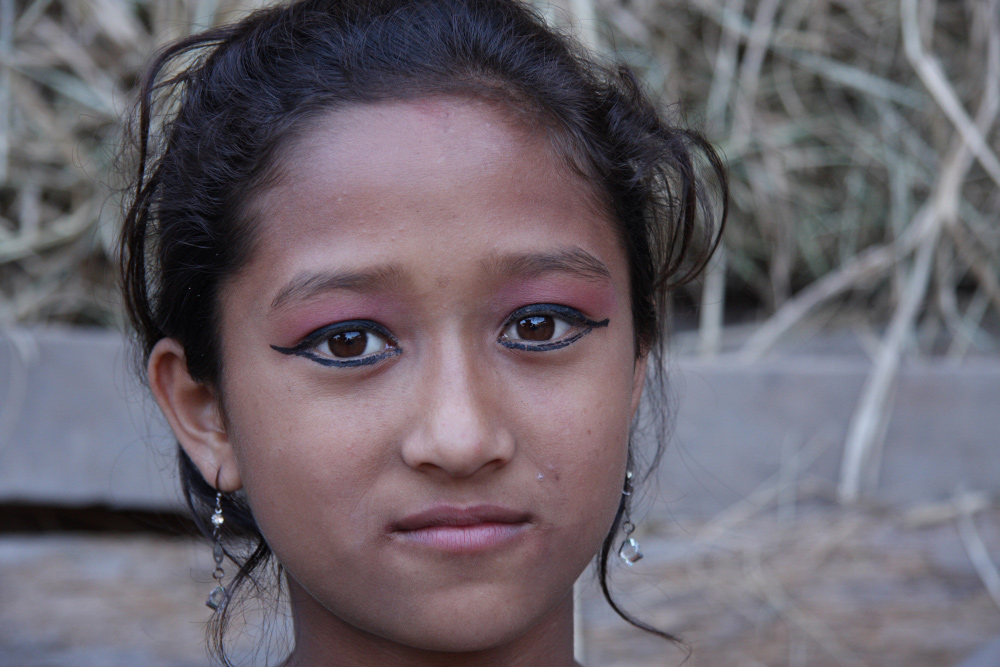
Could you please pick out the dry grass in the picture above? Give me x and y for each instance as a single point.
(66, 71)
(858, 133)
(839, 119)
(825, 588)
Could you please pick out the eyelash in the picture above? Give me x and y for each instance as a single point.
(565, 313)
(306, 348)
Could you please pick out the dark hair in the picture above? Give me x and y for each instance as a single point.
(216, 110)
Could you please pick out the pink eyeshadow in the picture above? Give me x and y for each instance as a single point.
(596, 299)
(294, 323)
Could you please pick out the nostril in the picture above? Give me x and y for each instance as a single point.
(456, 457)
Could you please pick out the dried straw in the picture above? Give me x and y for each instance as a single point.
(66, 72)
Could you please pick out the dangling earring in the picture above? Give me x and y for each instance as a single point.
(629, 550)
(218, 597)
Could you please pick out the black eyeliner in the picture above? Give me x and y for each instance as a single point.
(305, 346)
(344, 363)
(565, 312)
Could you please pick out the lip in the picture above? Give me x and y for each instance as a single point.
(462, 529)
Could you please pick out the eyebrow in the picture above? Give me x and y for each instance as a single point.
(566, 260)
(571, 260)
(309, 284)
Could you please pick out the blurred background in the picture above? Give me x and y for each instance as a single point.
(831, 491)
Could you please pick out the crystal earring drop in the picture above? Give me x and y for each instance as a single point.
(217, 598)
(629, 551)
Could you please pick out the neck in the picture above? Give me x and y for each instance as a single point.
(324, 640)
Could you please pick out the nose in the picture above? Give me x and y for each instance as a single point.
(458, 429)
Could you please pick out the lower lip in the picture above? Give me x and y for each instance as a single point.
(464, 539)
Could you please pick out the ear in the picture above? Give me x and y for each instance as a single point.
(193, 413)
(638, 380)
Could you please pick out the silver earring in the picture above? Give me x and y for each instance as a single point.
(629, 550)
(218, 597)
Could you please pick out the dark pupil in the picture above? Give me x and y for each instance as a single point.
(536, 327)
(347, 343)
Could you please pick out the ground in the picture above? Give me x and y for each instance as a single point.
(826, 588)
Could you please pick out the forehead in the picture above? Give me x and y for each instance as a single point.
(406, 141)
(389, 182)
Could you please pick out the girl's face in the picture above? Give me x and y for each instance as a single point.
(429, 377)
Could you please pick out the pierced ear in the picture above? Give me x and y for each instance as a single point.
(193, 413)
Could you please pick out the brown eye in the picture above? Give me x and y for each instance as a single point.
(536, 327)
(353, 343)
(347, 343)
(545, 327)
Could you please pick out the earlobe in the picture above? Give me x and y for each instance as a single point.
(193, 413)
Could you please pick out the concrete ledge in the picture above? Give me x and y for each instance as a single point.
(737, 425)
(75, 428)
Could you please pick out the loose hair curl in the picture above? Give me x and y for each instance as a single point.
(216, 110)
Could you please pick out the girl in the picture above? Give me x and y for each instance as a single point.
(396, 269)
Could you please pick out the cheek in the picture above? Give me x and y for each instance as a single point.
(306, 454)
(578, 439)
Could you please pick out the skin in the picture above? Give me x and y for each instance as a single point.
(436, 220)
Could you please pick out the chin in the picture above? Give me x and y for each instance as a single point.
(478, 621)
(466, 633)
